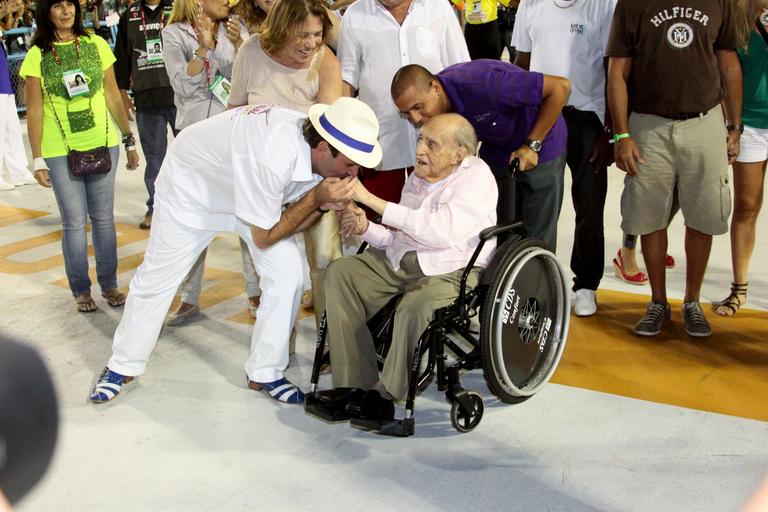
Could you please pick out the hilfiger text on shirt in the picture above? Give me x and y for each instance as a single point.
(679, 12)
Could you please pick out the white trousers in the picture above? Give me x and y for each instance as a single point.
(192, 284)
(171, 252)
(12, 152)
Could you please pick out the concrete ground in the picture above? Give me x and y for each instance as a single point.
(190, 436)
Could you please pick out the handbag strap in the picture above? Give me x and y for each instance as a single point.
(61, 128)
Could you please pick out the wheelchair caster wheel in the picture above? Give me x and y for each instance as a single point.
(466, 420)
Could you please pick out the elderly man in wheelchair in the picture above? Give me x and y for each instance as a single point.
(388, 306)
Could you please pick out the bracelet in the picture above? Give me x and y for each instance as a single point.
(38, 164)
(739, 127)
(130, 147)
(616, 138)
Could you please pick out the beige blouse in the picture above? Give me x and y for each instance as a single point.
(258, 79)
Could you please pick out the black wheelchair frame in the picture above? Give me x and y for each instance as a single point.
(524, 309)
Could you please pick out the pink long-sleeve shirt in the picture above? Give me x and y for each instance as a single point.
(440, 221)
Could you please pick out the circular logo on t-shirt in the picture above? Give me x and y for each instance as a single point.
(680, 35)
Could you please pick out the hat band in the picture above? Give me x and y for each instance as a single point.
(342, 137)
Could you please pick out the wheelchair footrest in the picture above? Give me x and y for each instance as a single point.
(324, 411)
(397, 428)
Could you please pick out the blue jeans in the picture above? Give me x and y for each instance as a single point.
(153, 133)
(80, 197)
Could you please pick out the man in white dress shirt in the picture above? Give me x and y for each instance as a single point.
(378, 37)
(235, 172)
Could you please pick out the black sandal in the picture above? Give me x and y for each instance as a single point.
(733, 302)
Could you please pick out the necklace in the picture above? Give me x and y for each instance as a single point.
(564, 4)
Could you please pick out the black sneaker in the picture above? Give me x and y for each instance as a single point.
(695, 322)
(652, 322)
(372, 406)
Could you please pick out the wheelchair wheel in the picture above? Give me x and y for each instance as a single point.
(466, 421)
(524, 321)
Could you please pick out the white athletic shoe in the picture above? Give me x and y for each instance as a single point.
(4, 185)
(29, 180)
(585, 303)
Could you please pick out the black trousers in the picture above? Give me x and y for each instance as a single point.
(483, 40)
(588, 191)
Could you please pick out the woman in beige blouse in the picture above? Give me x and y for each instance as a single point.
(289, 64)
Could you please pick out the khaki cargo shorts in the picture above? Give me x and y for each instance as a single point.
(684, 157)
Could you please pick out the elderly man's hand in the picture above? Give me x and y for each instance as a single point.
(335, 190)
(353, 220)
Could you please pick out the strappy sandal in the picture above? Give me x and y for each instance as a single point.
(85, 303)
(281, 390)
(733, 302)
(115, 298)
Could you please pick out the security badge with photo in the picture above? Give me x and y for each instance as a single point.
(220, 88)
(75, 82)
(154, 50)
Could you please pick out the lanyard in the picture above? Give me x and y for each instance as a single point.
(56, 54)
(144, 21)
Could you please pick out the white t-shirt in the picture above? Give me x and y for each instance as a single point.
(372, 47)
(244, 163)
(568, 38)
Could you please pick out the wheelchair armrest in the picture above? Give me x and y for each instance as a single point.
(494, 231)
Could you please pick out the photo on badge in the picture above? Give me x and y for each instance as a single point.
(75, 82)
(220, 89)
(154, 50)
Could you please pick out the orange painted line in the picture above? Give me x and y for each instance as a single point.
(11, 215)
(726, 373)
(126, 234)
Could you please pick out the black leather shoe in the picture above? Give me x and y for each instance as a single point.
(339, 397)
(372, 406)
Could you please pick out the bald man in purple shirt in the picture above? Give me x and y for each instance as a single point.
(516, 114)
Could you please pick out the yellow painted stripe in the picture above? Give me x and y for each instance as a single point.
(726, 373)
(11, 215)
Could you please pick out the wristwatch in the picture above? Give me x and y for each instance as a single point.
(737, 126)
(534, 144)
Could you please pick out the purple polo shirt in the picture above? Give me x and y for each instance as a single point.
(5, 76)
(501, 101)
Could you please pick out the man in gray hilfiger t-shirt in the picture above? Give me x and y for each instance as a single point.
(674, 139)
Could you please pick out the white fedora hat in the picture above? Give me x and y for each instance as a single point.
(350, 126)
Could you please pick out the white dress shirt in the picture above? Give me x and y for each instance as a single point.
(373, 46)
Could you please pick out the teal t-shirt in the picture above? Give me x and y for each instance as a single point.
(754, 66)
(84, 116)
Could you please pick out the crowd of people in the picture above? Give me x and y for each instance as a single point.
(283, 110)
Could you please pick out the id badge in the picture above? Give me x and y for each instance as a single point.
(220, 89)
(75, 82)
(154, 50)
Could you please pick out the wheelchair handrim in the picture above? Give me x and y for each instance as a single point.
(560, 330)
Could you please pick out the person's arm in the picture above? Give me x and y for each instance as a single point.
(330, 86)
(349, 58)
(186, 76)
(453, 45)
(238, 92)
(330, 190)
(333, 37)
(34, 98)
(555, 91)
(626, 152)
(117, 110)
(523, 60)
(730, 75)
(123, 64)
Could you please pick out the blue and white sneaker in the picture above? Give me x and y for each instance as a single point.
(108, 386)
(281, 390)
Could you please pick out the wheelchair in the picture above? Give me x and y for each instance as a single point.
(522, 306)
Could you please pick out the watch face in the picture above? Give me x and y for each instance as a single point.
(534, 145)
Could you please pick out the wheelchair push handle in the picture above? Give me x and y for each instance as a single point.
(514, 166)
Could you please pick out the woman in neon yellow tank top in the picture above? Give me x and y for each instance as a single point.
(70, 88)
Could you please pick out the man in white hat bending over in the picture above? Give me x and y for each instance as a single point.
(235, 172)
